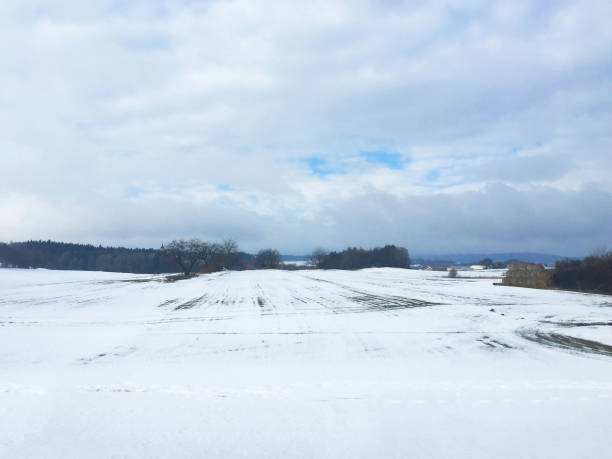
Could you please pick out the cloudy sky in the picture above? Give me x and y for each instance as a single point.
(441, 126)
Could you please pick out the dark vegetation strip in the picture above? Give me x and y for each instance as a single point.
(578, 324)
(569, 343)
(592, 274)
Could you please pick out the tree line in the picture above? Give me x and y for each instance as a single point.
(593, 273)
(357, 258)
(185, 255)
(84, 257)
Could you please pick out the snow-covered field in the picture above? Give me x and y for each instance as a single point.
(373, 363)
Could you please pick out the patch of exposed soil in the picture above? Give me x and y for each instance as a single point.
(381, 303)
(569, 343)
(191, 303)
(177, 277)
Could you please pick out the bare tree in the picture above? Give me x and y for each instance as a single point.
(600, 251)
(317, 257)
(267, 258)
(191, 253)
(228, 250)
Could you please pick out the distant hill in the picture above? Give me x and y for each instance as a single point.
(470, 258)
(464, 258)
(295, 257)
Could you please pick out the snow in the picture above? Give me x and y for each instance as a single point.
(371, 363)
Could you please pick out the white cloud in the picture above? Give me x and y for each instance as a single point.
(175, 99)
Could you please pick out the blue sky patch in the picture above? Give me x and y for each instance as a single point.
(433, 175)
(320, 166)
(394, 161)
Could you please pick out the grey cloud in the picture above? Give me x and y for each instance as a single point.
(522, 169)
(497, 218)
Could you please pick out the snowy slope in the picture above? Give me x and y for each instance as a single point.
(372, 363)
